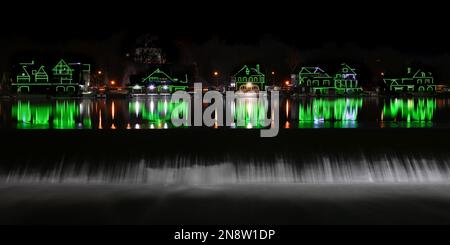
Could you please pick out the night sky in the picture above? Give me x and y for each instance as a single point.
(373, 36)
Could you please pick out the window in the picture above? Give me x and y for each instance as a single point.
(419, 81)
(427, 80)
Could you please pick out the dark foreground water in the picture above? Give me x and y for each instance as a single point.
(225, 204)
(225, 176)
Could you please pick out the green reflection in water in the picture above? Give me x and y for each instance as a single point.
(31, 116)
(250, 112)
(327, 113)
(158, 112)
(66, 113)
(409, 110)
(87, 123)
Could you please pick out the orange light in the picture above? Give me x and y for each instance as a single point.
(382, 73)
(112, 82)
(273, 73)
(216, 73)
(286, 82)
(99, 72)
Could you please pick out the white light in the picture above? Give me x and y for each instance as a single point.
(137, 106)
(249, 84)
(165, 87)
(151, 87)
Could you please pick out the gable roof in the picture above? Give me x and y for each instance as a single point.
(419, 71)
(61, 64)
(313, 70)
(252, 71)
(390, 82)
(24, 72)
(41, 71)
(160, 73)
(344, 65)
(412, 75)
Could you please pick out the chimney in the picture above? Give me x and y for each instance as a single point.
(409, 70)
(257, 67)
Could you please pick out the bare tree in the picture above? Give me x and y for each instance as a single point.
(147, 51)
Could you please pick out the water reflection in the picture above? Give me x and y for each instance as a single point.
(326, 112)
(249, 112)
(156, 112)
(30, 115)
(417, 112)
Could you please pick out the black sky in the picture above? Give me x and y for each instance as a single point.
(323, 31)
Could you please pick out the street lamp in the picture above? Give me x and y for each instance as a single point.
(273, 78)
(216, 75)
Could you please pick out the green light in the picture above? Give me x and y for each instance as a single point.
(342, 112)
(317, 81)
(158, 111)
(40, 76)
(158, 76)
(249, 79)
(249, 113)
(161, 82)
(420, 81)
(61, 79)
(87, 123)
(66, 113)
(32, 116)
(410, 110)
(62, 72)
